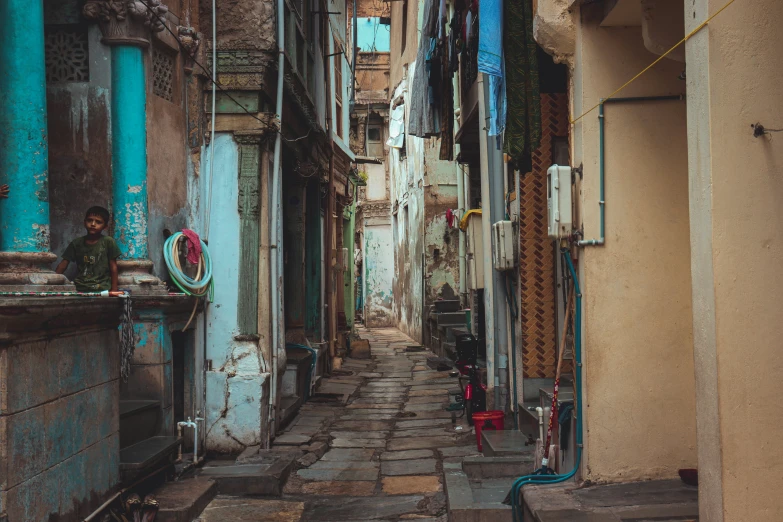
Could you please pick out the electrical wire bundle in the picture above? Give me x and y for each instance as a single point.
(202, 284)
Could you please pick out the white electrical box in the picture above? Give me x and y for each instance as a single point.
(345, 259)
(558, 195)
(474, 249)
(503, 246)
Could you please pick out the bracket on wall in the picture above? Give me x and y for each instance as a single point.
(577, 170)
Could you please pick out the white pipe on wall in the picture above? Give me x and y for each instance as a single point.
(274, 218)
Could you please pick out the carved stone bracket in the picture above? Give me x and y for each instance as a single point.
(127, 22)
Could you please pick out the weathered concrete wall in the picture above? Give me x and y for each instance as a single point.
(640, 415)
(236, 387)
(402, 57)
(59, 423)
(80, 171)
(378, 273)
(426, 250)
(735, 69)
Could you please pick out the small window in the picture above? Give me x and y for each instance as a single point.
(374, 143)
(404, 26)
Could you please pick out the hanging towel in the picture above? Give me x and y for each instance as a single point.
(497, 104)
(397, 127)
(194, 246)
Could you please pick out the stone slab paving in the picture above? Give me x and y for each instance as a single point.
(388, 440)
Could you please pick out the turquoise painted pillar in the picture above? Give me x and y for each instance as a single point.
(129, 150)
(24, 164)
(126, 27)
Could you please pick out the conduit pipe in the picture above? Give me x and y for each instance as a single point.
(602, 159)
(275, 199)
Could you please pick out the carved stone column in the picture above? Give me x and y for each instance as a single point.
(127, 26)
(25, 259)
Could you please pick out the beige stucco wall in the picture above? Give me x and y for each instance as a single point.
(640, 415)
(735, 73)
(400, 59)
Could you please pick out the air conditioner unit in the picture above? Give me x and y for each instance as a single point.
(503, 246)
(558, 196)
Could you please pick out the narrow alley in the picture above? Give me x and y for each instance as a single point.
(378, 452)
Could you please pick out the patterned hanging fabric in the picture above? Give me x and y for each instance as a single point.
(523, 119)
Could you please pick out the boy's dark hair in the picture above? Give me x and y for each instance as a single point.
(98, 211)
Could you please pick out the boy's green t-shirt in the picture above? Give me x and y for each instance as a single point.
(92, 261)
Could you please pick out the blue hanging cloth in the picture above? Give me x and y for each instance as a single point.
(490, 61)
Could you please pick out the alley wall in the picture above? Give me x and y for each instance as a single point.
(637, 307)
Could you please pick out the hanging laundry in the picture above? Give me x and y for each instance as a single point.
(450, 217)
(397, 127)
(424, 119)
(523, 126)
(490, 61)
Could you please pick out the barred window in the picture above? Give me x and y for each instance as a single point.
(67, 54)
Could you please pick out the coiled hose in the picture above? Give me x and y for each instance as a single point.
(200, 286)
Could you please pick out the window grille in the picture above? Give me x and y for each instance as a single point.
(163, 74)
(67, 55)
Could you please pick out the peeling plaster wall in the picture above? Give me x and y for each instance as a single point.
(426, 251)
(378, 274)
(236, 386)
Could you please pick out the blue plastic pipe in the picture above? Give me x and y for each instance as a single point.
(129, 150)
(24, 152)
(554, 479)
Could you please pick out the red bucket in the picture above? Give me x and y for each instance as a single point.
(487, 420)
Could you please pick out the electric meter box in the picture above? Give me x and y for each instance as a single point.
(558, 196)
(475, 260)
(503, 246)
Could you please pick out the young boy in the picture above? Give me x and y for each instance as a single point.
(95, 255)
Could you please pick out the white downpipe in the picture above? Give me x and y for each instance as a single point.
(273, 208)
(208, 215)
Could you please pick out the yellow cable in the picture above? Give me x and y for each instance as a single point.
(661, 57)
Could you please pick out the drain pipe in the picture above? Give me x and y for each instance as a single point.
(273, 221)
(602, 159)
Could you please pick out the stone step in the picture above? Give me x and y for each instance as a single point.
(184, 500)
(450, 318)
(139, 420)
(447, 305)
(497, 467)
(147, 455)
(506, 443)
(265, 474)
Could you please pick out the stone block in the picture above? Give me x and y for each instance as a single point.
(340, 454)
(360, 508)
(352, 488)
(184, 500)
(359, 434)
(406, 455)
(345, 464)
(419, 443)
(410, 485)
(338, 474)
(408, 467)
(360, 349)
(358, 443)
(26, 449)
(29, 375)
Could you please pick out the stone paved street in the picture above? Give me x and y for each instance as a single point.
(378, 454)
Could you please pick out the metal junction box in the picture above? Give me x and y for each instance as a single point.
(503, 245)
(475, 259)
(558, 195)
